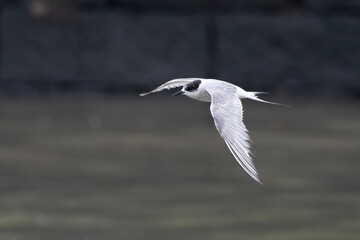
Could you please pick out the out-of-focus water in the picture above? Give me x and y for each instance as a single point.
(155, 168)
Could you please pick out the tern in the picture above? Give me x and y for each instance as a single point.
(227, 111)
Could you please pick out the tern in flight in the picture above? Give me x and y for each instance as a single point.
(227, 111)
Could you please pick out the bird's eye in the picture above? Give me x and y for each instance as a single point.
(192, 86)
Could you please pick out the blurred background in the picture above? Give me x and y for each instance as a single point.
(83, 157)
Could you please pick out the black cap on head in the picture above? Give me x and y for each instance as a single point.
(193, 85)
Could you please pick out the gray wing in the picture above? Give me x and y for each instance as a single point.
(227, 111)
(179, 82)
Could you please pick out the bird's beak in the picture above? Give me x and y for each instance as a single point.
(178, 93)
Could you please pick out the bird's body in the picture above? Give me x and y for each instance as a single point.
(227, 111)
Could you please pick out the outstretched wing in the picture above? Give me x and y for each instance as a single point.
(227, 111)
(179, 82)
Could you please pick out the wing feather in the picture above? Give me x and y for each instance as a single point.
(227, 111)
(179, 82)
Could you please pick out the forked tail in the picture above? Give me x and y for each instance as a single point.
(253, 96)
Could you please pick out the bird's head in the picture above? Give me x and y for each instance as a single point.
(189, 89)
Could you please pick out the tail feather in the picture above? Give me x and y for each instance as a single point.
(258, 93)
(253, 96)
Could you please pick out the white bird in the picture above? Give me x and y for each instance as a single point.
(227, 111)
